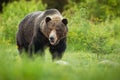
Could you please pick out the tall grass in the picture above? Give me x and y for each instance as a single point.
(81, 65)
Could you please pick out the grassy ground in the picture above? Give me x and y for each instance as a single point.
(81, 66)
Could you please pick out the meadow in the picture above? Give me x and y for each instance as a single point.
(93, 49)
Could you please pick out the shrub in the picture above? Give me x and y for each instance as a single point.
(97, 38)
(97, 10)
(12, 14)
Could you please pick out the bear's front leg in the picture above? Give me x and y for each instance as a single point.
(58, 50)
(36, 47)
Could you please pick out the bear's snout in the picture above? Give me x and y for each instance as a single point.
(53, 37)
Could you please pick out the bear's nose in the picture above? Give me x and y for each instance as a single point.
(51, 38)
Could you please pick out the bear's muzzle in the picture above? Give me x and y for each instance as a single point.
(53, 37)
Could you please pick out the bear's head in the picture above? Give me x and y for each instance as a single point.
(55, 29)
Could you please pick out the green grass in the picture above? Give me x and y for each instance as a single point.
(82, 66)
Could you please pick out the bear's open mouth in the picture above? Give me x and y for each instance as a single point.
(52, 42)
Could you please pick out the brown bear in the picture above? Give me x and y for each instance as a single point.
(40, 29)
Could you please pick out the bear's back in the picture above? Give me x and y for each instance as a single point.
(26, 26)
(52, 13)
(31, 21)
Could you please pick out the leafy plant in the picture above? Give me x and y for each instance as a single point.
(12, 15)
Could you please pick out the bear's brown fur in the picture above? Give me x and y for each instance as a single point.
(40, 29)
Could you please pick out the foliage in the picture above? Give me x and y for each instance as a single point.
(13, 14)
(58, 4)
(85, 35)
(98, 10)
(100, 38)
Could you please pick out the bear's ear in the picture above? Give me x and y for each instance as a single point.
(47, 19)
(65, 21)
